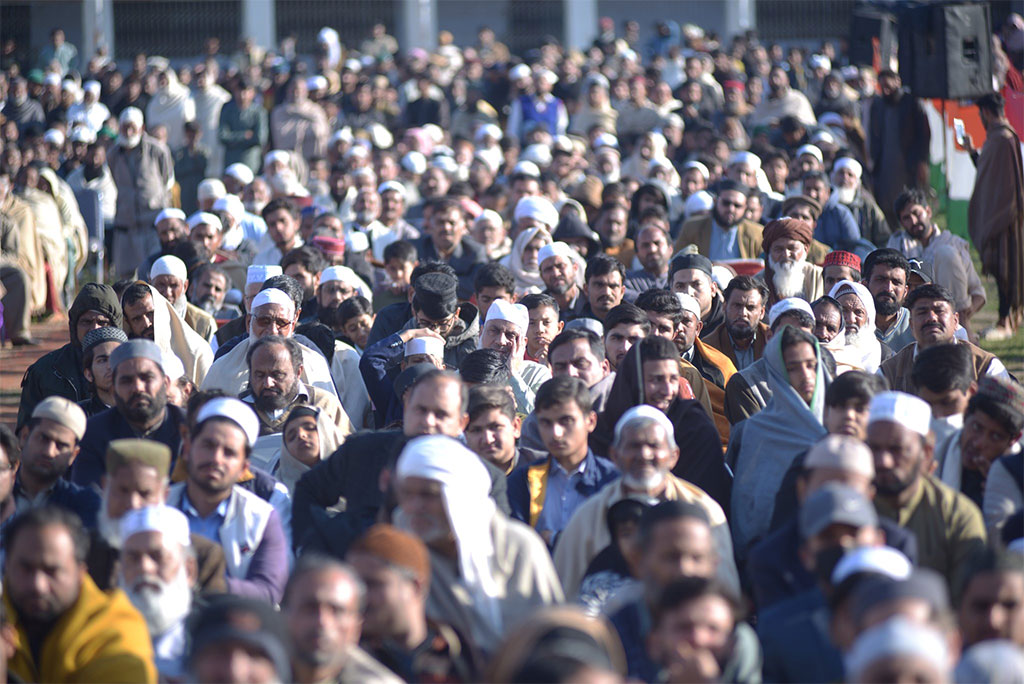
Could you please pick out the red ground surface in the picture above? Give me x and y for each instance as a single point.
(14, 360)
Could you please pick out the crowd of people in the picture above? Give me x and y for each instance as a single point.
(642, 362)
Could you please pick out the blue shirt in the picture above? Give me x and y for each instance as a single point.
(209, 526)
(724, 244)
(561, 497)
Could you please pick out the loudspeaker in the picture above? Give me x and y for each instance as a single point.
(871, 29)
(945, 50)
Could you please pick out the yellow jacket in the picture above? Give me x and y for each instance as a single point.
(101, 638)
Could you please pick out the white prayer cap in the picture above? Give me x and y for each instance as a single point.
(812, 150)
(131, 115)
(701, 168)
(356, 241)
(645, 411)
(831, 119)
(488, 131)
(70, 85)
(391, 185)
(547, 75)
(414, 162)
(211, 188)
(537, 208)
(274, 296)
(527, 168)
(380, 136)
(880, 560)
(518, 72)
(169, 265)
(235, 411)
(204, 217)
(91, 87)
(54, 137)
(173, 367)
(52, 79)
(689, 303)
(82, 134)
(742, 157)
(500, 310)
(596, 79)
(903, 409)
(445, 163)
(345, 274)
(722, 276)
(343, 134)
(169, 213)
(275, 156)
(789, 304)
(554, 249)
(240, 172)
(841, 452)
(489, 216)
(538, 154)
(261, 274)
(435, 133)
(606, 140)
(167, 520)
(853, 165)
(820, 62)
(701, 200)
(897, 636)
(317, 82)
(431, 346)
(230, 204)
(353, 65)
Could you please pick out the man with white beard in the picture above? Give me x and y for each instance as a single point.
(170, 278)
(851, 193)
(137, 477)
(788, 273)
(862, 350)
(158, 568)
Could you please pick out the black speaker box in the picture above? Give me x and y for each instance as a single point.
(945, 50)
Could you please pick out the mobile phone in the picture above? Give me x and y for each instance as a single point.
(958, 128)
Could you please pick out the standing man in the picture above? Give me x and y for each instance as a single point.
(243, 128)
(995, 215)
(143, 170)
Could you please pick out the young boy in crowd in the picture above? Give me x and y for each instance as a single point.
(544, 325)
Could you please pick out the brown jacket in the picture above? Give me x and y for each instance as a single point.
(720, 340)
(200, 321)
(697, 231)
(897, 369)
(104, 564)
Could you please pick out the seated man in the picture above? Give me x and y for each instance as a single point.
(445, 239)
(933, 320)
(137, 477)
(489, 572)
(624, 326)
(170, 278)
(544, 325)
(238, 633)
(653, 251)
(494, 427)
(839, 266)
(51, 447)
(691, 274)
(991, 599)
(788, 271)
(603, 286)
(742, 334)
(383, 362)
(645, 451)
(79, 632)
(493, 281)
(505, 330)
(435, 305)
(943, 376)
(140, 389)
(215, 452)
(885, 274)
(96, 348)
(158, 571)
(546, 493)
(396, 630)
(328, 649)
(559, 271)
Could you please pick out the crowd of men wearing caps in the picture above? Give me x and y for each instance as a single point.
(541, 402)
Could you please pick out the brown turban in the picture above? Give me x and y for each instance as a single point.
(793, 201)
(395, 547)
(789, 228)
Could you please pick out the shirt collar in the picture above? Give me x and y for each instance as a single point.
(221, 511)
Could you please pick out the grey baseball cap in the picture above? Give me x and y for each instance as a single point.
(835, 503)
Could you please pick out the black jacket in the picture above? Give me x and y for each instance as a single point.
(91, 463)
(58, 373)
(465, 260)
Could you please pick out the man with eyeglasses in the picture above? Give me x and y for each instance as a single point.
(724, 233)
(435, 307)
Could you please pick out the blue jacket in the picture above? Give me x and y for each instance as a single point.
(379, 367)
(527, 484)
(108, 425)
(796, 643)
(838, 229)
(82, 501)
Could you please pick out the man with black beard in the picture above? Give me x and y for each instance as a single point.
(885, 275)
(333, 288)
(724, 233)
(275, 364)
(141, 410)
(742, 335)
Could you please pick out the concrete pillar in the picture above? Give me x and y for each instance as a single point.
(417, 24)
(97, 29)
(739, 16)
(580, 23)
(258, 22)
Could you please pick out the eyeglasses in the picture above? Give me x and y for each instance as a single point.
(436, 326)
(267, 321)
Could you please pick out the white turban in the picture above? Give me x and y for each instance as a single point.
(230, 204)
(701, 168)
(903, 409)
(500, 310)
(169, 265)
(748, 158)
(811, 150)
(240, 172)
(275, 156)
(206, 217)
(848, 163)
(554, 249)
(131, 115)
(167, 520)
(234, 410)
(169, 213)
(537, 208)
(464, 487)
(274, 296)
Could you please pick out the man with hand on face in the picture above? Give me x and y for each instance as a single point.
(949, 528)
(933, 320)
(171, 230)
(446, 240)
(142, 410)
(170, 278)
(885, 274)
(216, 452)
(51, 447)
(435, 306)
(383, 363)
(742, 335)
(788, 273)
(97, 346)
(645, 452)
(505, 331)
(545, 494)
(489, 572)
(558, 270)
(723, 234)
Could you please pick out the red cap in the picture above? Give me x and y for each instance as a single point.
(840, 258)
